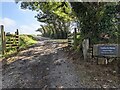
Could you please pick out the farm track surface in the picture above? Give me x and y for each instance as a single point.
(48, 65)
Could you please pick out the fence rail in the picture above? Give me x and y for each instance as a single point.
(72, 37)
(72, 42)
(9, 41)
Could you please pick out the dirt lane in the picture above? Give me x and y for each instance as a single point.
(40, 66)
(63, 73)
(47, 65)
(28, 68)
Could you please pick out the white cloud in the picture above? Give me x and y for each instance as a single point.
(24, 10)
(11, 26)
(29, 29)
(7, 22)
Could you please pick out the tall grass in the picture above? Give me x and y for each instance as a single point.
(26, 40)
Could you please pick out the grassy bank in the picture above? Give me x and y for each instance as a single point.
(26, 40)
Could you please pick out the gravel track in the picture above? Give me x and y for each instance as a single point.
(48, 65)
(41, 66)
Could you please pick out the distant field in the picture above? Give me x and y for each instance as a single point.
(58, 40)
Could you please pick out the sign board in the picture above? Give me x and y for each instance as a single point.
(107, 50)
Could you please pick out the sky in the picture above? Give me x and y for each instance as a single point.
(13, 17)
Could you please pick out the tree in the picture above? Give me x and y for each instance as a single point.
(95, 18)
(52, 13)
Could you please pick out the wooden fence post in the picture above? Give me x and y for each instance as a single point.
(17, 32)
(3, 39)
(75, 38)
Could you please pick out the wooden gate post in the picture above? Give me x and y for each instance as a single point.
(85, 46)
(69, 39)
(17, 33)
(3, 39)
(4, 42)
(75, 38)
